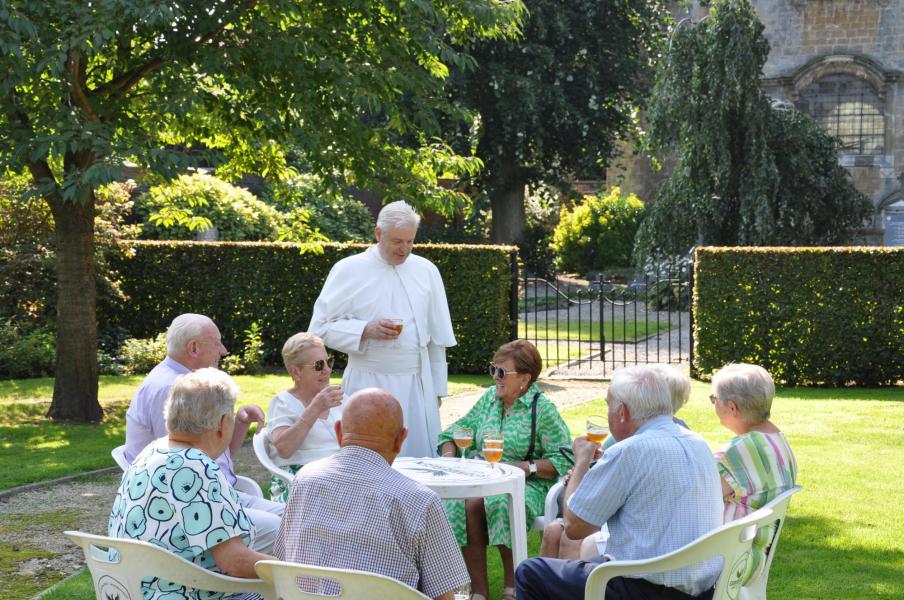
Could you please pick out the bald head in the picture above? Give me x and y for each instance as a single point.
(373, 418)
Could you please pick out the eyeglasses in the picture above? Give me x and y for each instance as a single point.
(713, 398)
(500, 372)
(319, 364)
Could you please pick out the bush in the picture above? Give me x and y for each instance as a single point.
(140, 355)
(274, 284)
(26, 354)
(339, 217)
(823, 316)
(173, 211)
(250, 360)
(598, 233)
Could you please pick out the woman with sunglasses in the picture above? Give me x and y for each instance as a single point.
(516, 407)
(301, 419)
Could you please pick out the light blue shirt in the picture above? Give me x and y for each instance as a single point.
(657, 490)
(144, 419)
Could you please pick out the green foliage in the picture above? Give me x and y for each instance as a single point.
(273, 284)
(250, 360)
(25, 354)
(140, 355)
(598, 232)
(339, 217)
(552, 104)
(747, 173)
(823, 316)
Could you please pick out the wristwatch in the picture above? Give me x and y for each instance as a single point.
(532, 467)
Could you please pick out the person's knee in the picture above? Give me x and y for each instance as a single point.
(266, 526)
(529, 578)
(553, 530)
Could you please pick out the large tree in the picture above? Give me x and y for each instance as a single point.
(551, 105)
(747, 173)
(85, 86)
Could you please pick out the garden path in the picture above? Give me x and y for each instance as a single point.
(31, 523)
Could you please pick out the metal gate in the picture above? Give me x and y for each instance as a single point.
(590, 328)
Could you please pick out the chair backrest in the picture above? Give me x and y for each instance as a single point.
(248, 486)
(119, 455)
(755, 589)
(260, 451)
(551, 507)
(283, 576)
(121, 578)
(732, 542)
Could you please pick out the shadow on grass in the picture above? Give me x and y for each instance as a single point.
(813, 562)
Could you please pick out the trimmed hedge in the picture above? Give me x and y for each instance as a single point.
(275, 285)
(823, 316)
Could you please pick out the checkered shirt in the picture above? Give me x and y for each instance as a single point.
(352, 510)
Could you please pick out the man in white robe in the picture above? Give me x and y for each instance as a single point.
(362, 301)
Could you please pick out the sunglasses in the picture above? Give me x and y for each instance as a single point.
(319, 364)
(494, 371)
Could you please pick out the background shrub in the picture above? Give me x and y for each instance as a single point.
(26, 354)
(140, 355)
(824, 316)
(337, 216)
(598, 232)
(274, 284)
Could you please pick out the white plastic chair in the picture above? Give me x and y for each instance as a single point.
(260, 451)
(119, 455)
(755, 589)
(242, 483)
(282, 577)
(732, 542)
(121, 578)
(551, 508)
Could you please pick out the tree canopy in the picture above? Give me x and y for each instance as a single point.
(85, 87)
(747, 173)
(551, 105)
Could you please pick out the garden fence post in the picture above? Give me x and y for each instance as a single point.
(513, 300)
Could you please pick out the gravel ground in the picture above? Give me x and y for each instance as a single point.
(31, 523)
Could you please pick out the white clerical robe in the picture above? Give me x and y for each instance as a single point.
(413, 367)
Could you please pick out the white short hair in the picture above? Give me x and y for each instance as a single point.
(398, 214)
(183, 329)
(644, 390)
(198, 400)
(298, 343)
(679, 385)
(750, 387)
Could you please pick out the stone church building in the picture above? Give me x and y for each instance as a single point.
(842, 62)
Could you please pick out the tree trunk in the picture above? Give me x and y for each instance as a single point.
(507, 204)
(75, 384)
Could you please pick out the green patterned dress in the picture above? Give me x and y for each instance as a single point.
(552, 433)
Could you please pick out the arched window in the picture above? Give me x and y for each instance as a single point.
(848, 108)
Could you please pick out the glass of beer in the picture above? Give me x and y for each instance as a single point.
(397, 324)
(597, 429)
(462, 436)
(492, 447)
(462, 592)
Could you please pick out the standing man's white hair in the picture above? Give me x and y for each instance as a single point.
(182, 330)
(644, 390)
(398, 214)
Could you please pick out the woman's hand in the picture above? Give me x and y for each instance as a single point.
(327, 398)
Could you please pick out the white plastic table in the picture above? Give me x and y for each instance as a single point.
(452, 478)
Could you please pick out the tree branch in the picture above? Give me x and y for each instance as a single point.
(76, 72)
(39, 169)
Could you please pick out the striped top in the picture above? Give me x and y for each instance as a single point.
(758, 467)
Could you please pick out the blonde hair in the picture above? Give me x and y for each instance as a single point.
(198, 400)
(750, 387)
(296, 345)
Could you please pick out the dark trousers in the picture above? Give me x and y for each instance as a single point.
(555, 579)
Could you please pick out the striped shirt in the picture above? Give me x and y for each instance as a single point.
(352, 510)
(657, 490)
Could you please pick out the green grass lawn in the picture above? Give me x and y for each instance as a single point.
(843, 538)
(617, 331)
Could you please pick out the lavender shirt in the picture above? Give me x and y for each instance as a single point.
(144, 419)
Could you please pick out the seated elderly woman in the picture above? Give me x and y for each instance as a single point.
(175, 496)
(533, 433)
(556, 544)
(757, 464)
(301, 420)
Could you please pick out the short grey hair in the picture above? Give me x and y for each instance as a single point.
(644, 390)
(750, 387)
(679, 385)
(296, 345)
(198, 401)
(183, 329)
(398, 214)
